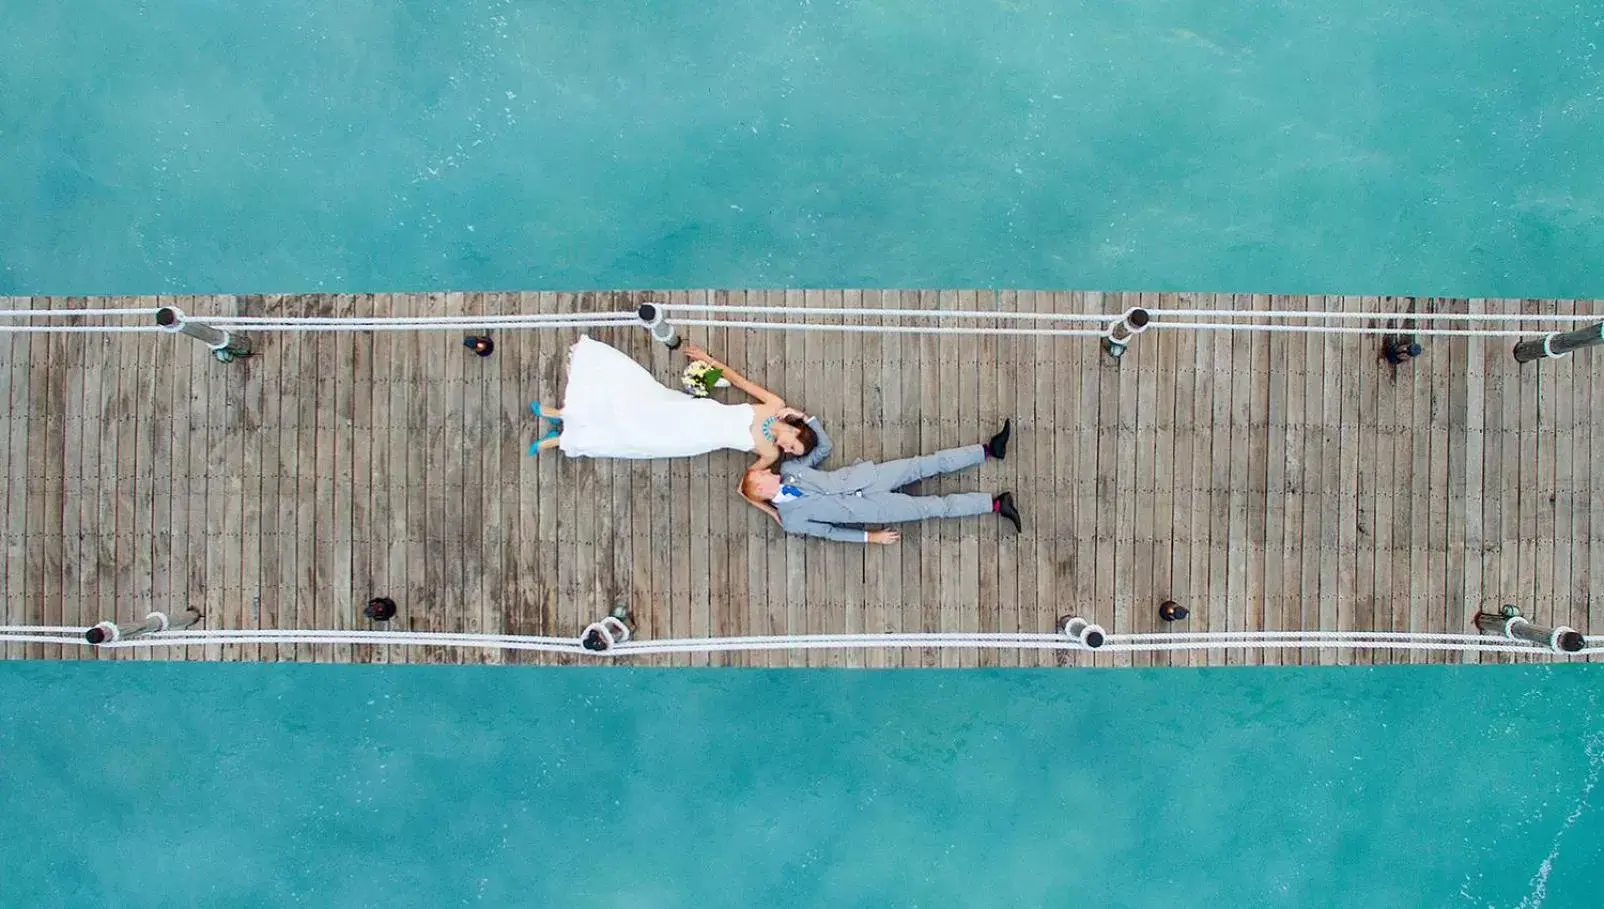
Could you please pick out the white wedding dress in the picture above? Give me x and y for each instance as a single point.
(613, 408)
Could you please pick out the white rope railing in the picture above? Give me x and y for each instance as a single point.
(516, 320)
(878, 312)
(1351, 329)
(1352, 314)
(892, 329)
(890, 320)
(1114, 643)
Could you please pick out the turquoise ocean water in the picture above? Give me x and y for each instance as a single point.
(285, 145)
(1360, 146)
(137, 785)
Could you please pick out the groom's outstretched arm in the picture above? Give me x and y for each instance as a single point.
(828, 531)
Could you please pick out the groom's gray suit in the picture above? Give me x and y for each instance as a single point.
(865, 493)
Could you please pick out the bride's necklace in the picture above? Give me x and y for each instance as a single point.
(767, 428)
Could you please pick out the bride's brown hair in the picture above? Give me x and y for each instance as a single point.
(804, 434)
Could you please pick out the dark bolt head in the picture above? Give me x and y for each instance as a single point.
(380, 609)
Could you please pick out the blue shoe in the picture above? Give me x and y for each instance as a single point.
(540, 412)
(534, 447)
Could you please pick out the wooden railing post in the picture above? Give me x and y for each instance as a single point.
(656, 321)
(226, 347)
(1081, 630)
(1133, 323)
(1559, 344)
(1509, 623)
(614, 628)
(110, 632)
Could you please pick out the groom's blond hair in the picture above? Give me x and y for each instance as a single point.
(749, 483)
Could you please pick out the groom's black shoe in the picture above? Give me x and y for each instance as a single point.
(998, 446)
(1004, 505)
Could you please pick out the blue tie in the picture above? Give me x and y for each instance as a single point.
(791, 491)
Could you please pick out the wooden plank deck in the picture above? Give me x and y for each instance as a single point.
(1277, 481)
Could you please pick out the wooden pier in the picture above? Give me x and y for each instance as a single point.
(1287, 481)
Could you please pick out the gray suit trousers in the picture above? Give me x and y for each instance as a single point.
(896, 508)
(897, 474)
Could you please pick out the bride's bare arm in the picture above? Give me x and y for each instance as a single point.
(739, 381)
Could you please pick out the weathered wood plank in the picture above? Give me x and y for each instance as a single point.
(1331, 481)
(36, 610)
(533, 563)
(1184, 587)
(1134, 505)
(398, 441)
(845, 359)
(1557, 424)
(1540, 495)
(698, 562)
(370, 521)
(15, 372)
(51, 478)
(947, 536)
(1581, 421)
(727, 512)
(1497, 371)
(1282, 373)
(765, 575)
(1066, 518)
(870, 444)
(984, 610)
(1421, 588)
(1004, 380)
(477, 540)
(154, 487)
(899, 435)
(1447, 423)
(784, 349)
(1590, 458)
(1355, 368)
(1096, 469)
(253, 438)
(418, 390)
(823, 560)
(1474, 451)
(918, 588)
(1219, 483)
(1450, 612)
(574, 494)
(1239, 478)
(1267, 414)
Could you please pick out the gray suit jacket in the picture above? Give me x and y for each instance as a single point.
(832, 497)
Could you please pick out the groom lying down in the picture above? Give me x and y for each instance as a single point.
(818, 503)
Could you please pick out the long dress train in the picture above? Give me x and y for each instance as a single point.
(613, 408)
